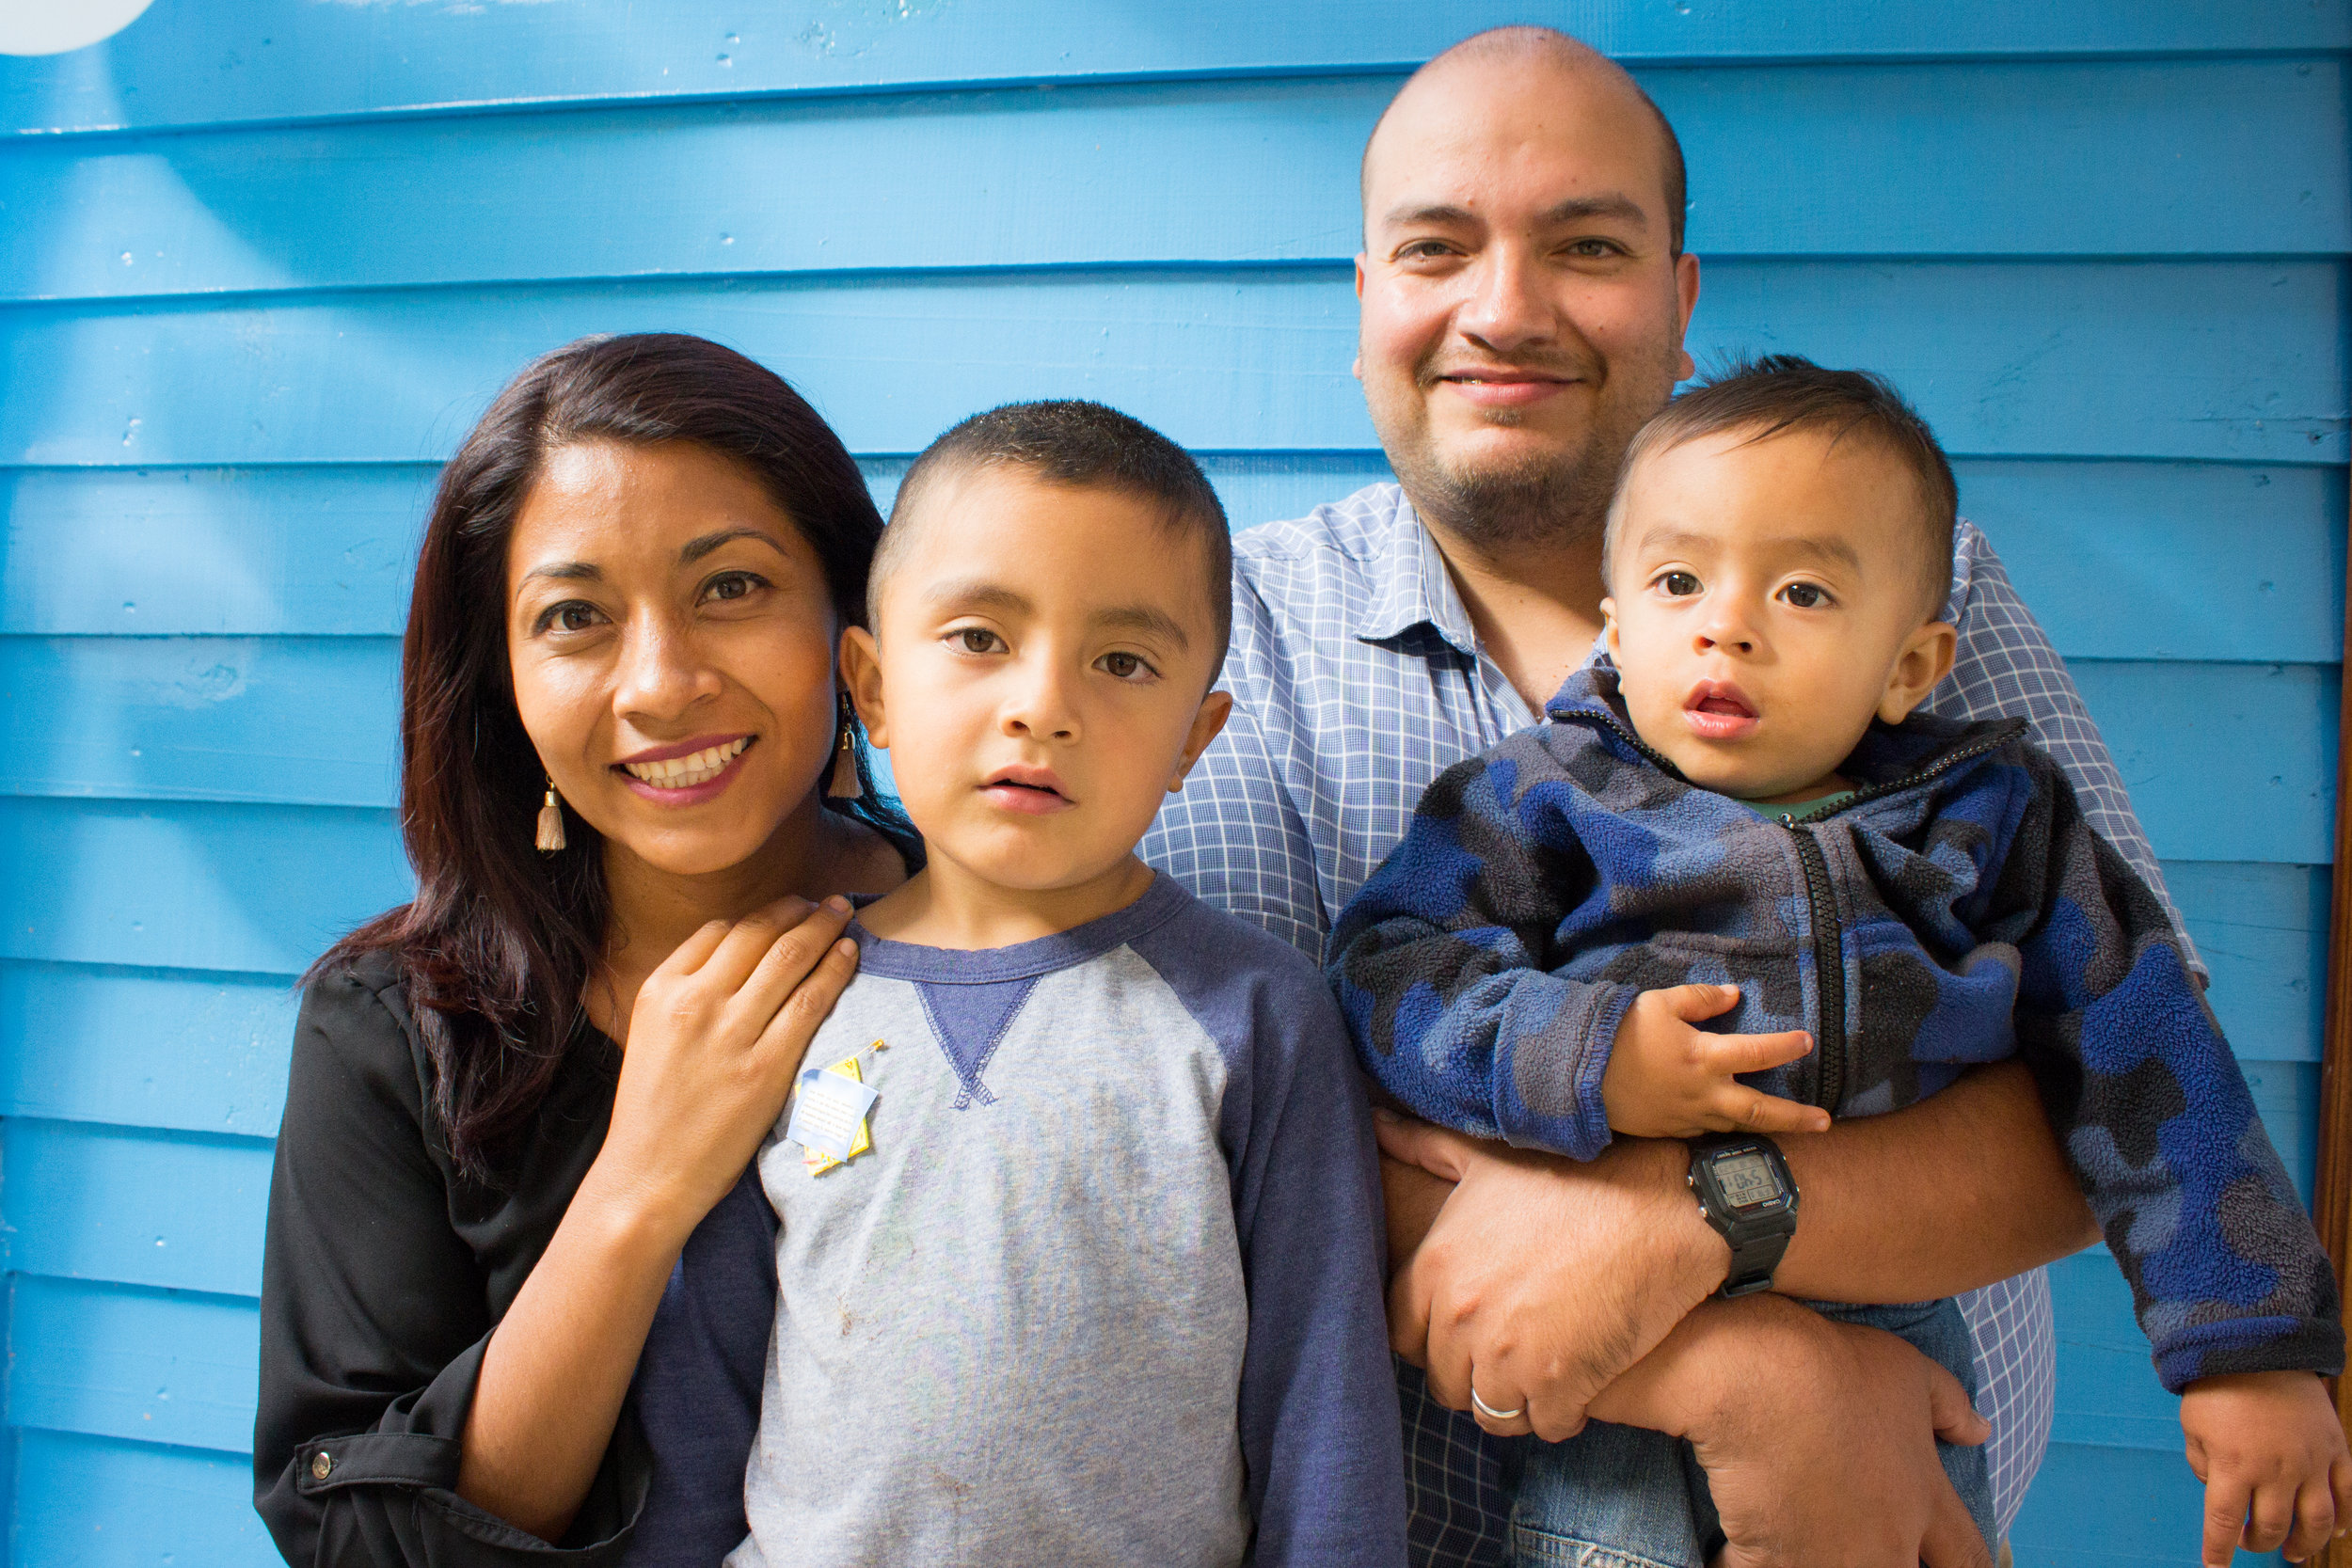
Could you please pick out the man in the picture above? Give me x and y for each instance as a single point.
(1525, 300)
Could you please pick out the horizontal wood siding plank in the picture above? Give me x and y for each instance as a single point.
(100, 1502)
(2140, 561)
(2214, 561)
(2225, 762)
(135, 1205)
(146, 1048)
(2096, 1506)
(243, 551)
(2203, 158)
(167, 885)
(118, 1361)
(2262, 932)
(2240, 361)
(278, 59)
(311, 721)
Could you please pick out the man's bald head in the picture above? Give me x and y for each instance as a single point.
(1556, 61)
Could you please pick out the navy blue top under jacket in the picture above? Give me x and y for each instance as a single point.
(1957, 910)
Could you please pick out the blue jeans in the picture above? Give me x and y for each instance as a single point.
(1615, 1496)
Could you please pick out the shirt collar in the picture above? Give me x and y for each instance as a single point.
(1410, 585)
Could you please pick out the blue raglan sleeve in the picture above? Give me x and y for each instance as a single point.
(699, 1379)
(2227, 1274)
(1321, 1437)
(1443, 962)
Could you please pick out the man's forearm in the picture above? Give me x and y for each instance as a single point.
(1943, 1196)
(1946, 1196)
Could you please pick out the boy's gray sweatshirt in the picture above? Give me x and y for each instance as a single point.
(1106, 1288)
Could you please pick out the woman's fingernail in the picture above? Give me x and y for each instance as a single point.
(838, 904)
(847, 948)
(1382, 1113)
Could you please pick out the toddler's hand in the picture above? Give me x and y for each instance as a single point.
(1668, 1080)
(2270, 1450)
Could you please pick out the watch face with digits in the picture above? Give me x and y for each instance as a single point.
(1745, 1192)
(1746, 1179)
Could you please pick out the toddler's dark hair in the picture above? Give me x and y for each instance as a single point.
(1073, 442)
(1781, 392)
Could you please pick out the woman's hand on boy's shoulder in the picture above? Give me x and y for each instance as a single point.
(715, 1038)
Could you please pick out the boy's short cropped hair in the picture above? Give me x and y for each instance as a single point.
(1780, 393)
(1073, 442)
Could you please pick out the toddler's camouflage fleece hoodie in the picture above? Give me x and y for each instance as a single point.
(1967, 913)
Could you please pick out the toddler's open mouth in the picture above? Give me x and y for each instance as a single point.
(1718, 711)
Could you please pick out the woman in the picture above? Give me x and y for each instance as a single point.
(627, 772)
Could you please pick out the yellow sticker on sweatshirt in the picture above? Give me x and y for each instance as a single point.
(817, 1160)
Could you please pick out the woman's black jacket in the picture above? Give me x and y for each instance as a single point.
(384, 1273)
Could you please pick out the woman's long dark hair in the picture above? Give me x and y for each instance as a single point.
(503, 940)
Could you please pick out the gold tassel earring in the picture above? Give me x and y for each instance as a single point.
(846, 786)
(550, 823)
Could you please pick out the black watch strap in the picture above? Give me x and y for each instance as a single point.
(1754, 1261)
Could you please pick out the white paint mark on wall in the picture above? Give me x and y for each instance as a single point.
(56, 27)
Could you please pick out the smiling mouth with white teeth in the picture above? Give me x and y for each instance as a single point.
(686, 771)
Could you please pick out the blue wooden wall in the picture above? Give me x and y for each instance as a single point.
(261, 262)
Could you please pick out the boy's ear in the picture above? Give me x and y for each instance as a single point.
(860, 676)
(1215, 709)
(1608, 627)
(1926, 658)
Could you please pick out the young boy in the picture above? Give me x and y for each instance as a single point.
(1739, 821)
(1079, 1258)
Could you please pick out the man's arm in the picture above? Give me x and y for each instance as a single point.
(1946, 1196)
(1766, 1392)
(1554, 1277)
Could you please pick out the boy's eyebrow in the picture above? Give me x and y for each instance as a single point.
(976, 594)
(1820, 546)
(1148, 618)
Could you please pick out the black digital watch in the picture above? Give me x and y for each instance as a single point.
(1745, 1192)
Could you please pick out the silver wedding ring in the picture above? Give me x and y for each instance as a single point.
(1492, 1414)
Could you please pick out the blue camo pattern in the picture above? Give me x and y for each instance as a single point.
(1486, 966)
